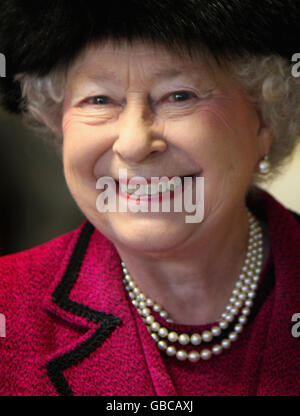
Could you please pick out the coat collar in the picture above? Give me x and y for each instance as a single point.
(88, 292)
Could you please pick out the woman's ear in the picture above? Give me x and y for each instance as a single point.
(265, 134)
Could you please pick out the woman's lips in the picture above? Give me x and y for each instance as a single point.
(156, 197)
(135, 180)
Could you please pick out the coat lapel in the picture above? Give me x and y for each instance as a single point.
(104, 356)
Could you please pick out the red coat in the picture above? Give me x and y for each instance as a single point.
(70, 328)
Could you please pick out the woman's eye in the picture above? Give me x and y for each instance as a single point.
(99, 100)
(180, 96)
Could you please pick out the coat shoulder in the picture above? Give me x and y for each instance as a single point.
(31, 271)
(297, 216)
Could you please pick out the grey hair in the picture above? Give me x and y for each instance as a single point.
(42, 103)
(266, 80)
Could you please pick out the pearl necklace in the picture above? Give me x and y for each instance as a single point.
(240, 303)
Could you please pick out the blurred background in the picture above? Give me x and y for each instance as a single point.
(36, 205)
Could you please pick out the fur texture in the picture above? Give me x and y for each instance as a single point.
(37, 36)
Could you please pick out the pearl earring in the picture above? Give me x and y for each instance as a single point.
(264, 165)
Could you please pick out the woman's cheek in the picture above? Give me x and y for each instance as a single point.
(215, 138)
(78, 151)
(220, 116)
(74, 127)
(81, 138)
(204, 132)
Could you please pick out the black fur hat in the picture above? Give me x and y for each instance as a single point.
(36, 36)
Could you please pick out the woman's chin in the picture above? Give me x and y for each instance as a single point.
(149, 235)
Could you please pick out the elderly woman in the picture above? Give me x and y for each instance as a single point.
(198, 100)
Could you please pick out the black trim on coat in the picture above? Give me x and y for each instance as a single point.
(108, 322)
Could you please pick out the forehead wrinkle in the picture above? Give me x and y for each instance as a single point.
(96, 73)
(158, 76)
(93, 54)
(102, 75)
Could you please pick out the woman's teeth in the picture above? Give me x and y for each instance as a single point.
(151, 189)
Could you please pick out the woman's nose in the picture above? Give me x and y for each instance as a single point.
(136, 137)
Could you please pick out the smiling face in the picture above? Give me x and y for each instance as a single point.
(155, 114)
